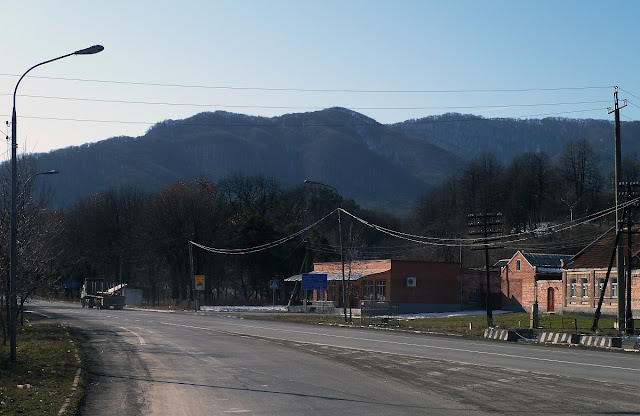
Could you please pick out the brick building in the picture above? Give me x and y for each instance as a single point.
(417, 286)
(528, 278)
(584, 275)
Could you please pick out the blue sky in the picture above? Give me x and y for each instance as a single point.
(390, 60)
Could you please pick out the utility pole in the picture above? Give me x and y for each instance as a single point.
(489, 224)
(193, 277)
(631, 195)
(620, 247)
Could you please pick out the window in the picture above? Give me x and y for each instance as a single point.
(573, 288)
(614, 287)
(518, 265)
(381, 292)
(331, 290)
(600, 286)
(367, 290)
(585, 287)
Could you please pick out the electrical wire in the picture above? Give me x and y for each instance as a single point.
(633, 95)
(494, 241)
(250, 250)
(307, 125)
(504, 106)
(327, 90)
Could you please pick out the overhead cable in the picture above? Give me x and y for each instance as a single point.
(250, 250)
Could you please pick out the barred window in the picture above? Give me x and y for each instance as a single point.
(614, 287)
(367, 290)
(573, 288)
(600, 286)
(381, 289)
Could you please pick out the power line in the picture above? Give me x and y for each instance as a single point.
(633, 95)
(459, 107)
(181, 123)
(263, 247)
(330, 90)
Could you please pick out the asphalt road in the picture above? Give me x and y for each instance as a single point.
(159, 363)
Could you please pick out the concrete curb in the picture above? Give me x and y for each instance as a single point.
(76, 381)
(601, 341)
(501, 334)
(559, 338)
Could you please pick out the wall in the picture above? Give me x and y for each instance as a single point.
(436, 283)
(589, 303)
(543, 291)
(518, 288)
(473, 286)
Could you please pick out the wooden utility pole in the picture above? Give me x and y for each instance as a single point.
(489, 224)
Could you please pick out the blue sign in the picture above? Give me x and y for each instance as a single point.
(274, 284)
(312, 281)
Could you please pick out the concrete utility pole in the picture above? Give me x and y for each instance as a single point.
(622, 291)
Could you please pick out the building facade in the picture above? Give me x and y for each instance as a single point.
(530, 278)
(584, 276)
(417, 286)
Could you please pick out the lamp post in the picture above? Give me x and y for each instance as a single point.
(14, 190)
(344, 293)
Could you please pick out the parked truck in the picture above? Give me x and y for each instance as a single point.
(96, 292)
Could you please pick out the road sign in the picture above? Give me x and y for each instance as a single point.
(312, 281)
(274, 284)
(199, 281)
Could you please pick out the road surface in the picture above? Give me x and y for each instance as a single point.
(161, 363)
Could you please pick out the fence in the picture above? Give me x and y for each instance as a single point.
(378, 313)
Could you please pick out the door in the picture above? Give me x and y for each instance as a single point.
(550, 300)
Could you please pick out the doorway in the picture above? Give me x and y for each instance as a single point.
(550, 300)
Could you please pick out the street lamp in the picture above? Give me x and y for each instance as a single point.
(14, 190)
(32, 177)
(344, 292)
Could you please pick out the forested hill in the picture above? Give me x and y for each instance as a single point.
(467, 135)
(365, 160)
(381, 166)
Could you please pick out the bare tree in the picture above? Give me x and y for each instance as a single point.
(579, 169)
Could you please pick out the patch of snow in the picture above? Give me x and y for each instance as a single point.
(445, 314)
(256, 309)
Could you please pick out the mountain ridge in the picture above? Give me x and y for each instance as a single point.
(381, 166)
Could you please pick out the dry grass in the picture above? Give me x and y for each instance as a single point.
(40, 380)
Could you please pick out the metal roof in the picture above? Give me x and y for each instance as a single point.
(356, 274)
(546, 260)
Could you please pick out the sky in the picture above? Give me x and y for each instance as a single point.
(390, 60)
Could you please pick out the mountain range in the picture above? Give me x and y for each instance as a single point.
(380, 166)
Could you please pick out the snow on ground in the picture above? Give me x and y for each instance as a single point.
(441, 314)
(256, 309)
(283, 309)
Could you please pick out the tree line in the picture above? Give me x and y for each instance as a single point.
(142, 238)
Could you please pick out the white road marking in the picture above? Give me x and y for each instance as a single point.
(140, 339)
(497, 354)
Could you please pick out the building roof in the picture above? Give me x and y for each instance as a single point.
(354, 270)
(597, 254)
(546, 261)
(332, 275)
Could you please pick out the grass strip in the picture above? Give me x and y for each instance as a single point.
(39, 382)
(471, 325)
